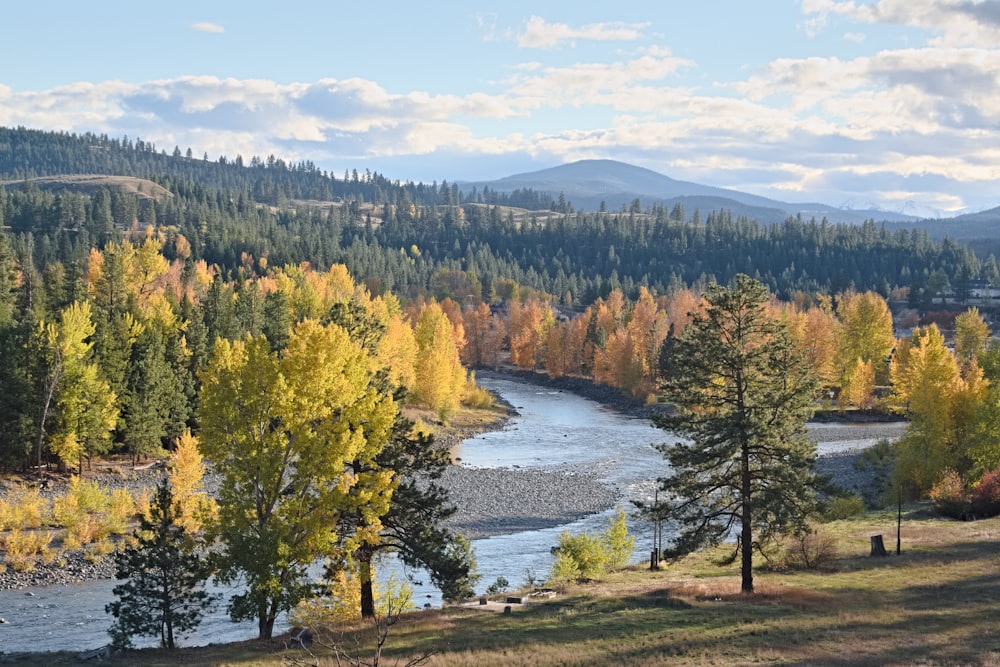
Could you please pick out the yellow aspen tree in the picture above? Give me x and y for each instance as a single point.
(647, 329)
(866, 333)
(186, 471)
(576, 346)
(282, 430)
(440, 377)
(454, 312)
(859, 386)
(528, 325)
(397, 351)
(86, 408)
(971, 335)
(926, 380)
(484, 336)
(821, 339)
(610, 315)
(681, 307)
(556, 351)
(612, 361)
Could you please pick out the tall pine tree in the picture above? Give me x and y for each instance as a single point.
(742, 394)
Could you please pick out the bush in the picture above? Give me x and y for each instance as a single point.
(579, 558)
(22, 548)
(618, 544)
(477, 397)
(844, 507)
(811, 551)
(498, 586)
(986, 495)
(23, 508)
(585, 556)
(950, 497)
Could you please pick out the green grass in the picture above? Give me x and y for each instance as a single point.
(935, 604)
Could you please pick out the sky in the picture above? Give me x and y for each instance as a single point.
(894, 103)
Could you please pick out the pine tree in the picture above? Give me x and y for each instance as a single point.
(742, 393)
(164, 595)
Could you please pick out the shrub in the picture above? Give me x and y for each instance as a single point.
(477, 397)
(121, 509)
(950, 497)
(341, 599)
(579, 558)
(23, 508)
(986, 495)
(24, 546)
(618, 544)
(844, 507)
(810, 551)
(498, 586)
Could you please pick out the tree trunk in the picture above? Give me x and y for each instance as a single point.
(265, 622)
(746, 534)
(365, 574)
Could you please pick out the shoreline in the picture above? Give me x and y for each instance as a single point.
(484, 496)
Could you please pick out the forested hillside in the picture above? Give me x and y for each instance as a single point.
(419, 238)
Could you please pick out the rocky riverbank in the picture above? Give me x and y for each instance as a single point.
(494, 501)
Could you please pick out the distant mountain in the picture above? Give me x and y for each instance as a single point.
(588, 183)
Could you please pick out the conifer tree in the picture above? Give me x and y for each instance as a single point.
(163, 595)
(742, 393)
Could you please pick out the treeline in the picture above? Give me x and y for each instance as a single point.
(415, 239)
(413, 250)
(106, 356)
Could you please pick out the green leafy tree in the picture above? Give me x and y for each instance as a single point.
(83, 407)
(163, 594)
(742, 394)
(282, 430)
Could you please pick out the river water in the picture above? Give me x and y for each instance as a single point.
(618, 449)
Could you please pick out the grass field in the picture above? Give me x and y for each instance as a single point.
(938, 603)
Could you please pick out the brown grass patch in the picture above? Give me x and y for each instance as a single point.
(90, 183)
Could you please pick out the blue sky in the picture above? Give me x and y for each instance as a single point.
(886, 102)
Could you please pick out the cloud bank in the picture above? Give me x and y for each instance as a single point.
(917, 123)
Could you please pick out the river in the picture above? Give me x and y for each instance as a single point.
(616, 448)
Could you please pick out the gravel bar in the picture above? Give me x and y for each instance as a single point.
(495, 501)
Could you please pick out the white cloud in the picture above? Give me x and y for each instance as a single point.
(892, 121)
(956, 22)
(206, 26)
(540, 34)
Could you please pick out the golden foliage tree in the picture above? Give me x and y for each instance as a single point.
(86, 409)
(866, 333)
(484, 336)
(528, 325)
(186, 474)
(281, 430)
(440, 375)
(971, 335)
(929, 387)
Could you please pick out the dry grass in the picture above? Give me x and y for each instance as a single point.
(89, 183)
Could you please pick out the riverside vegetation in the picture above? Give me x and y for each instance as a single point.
(933, 604)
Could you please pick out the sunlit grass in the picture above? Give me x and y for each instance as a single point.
(935, 604)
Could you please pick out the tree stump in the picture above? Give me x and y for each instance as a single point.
(878, 547)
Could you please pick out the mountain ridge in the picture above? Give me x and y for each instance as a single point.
(589, 183)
